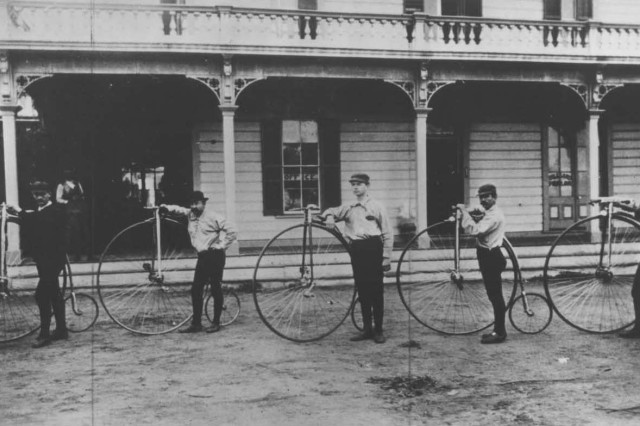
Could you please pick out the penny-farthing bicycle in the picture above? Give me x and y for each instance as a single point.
(439, 282)
(303, 284)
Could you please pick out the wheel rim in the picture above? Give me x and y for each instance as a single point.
(230, 308)
(585, 295)
(131, 291)
(83, 314)
(303, 304)
(437, 295)
(534, 319)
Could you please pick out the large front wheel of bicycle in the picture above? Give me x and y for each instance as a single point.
(303, 283)
(19, 315)
(141, 292)
(441, 296)
(588, 275)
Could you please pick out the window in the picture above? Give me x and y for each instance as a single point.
(462, 7)
(308, 4)
(552, 10)
(584, 10)
(411, 6)
(300, 165)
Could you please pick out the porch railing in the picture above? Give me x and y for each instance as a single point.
(81, 26)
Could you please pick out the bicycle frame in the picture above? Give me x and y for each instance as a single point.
(604, 265)
(306, 272)
(4, 278)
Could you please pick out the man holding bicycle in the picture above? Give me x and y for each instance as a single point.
(46, 242)
(370, 238)
(633, 332)
(211, 234)
(489, 231)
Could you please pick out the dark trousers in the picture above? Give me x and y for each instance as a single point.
(49, 296)
(366, 260)
(492, 263)
(209, 268)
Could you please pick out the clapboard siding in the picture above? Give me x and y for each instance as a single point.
(509, 156)
(353, 6)
(618, 11)
(625, 145)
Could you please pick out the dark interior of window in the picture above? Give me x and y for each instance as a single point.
(461, 7)
(308, 4)
(584, 9)
(552, 9)
(411, 6)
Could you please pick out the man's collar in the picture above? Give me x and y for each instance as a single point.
(364, 201)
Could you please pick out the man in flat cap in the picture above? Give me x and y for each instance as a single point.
(489, 231)
(46, 241)
(371, 240)
(211, 234)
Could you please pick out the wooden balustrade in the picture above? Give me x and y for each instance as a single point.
(140, 27)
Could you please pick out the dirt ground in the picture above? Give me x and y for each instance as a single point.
(246, 375)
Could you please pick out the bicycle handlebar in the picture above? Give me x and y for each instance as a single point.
(613, 200)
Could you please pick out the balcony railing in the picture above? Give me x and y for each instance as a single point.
(45, 25)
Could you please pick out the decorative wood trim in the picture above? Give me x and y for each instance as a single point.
(212, 83)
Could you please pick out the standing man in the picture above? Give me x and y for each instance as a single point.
(633, 332)
(205, 229)
(489, 231)
(46, 241)
(371, 240)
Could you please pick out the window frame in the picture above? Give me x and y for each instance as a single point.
(300, 167)
(546, 13)
(462, 7)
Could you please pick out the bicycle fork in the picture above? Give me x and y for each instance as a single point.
(604, 271)
(456, 276)
(4, 276)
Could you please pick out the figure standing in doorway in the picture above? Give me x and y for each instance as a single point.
(70, 195)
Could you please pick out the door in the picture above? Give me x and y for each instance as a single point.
(444, 180)
(566, 178)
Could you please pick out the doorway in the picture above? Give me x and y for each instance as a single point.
(445, 180)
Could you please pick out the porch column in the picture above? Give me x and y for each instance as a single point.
(594, 164)
(228, 137)
(421, 167)
(8, 114)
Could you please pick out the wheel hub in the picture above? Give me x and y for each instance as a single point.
(604, 274)
(457, 279)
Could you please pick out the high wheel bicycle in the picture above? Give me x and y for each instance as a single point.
(145, 274)
(440, 284)
(81, 310)
(303, 284)
(589, 270)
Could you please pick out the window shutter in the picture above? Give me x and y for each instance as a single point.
(552, 10)
(271, 167)
(330, 180)
(584, 10)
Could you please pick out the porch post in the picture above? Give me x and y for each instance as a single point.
(594, 164)
(8, 114)
(421, 168)
(228, 137)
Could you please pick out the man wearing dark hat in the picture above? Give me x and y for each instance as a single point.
(46, 241)
(205, 229)
(371, 240)
(489, 231)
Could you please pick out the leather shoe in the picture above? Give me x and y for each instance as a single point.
(365, 335)
(378, 337)
(214, 328)
(634, 333)
(494, 338)
(193, 328)
(60, 335)
(42, 343)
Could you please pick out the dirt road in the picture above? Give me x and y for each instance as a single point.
(245, 375)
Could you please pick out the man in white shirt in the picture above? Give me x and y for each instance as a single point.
(211, 234)
(489, 231)
(370, 237)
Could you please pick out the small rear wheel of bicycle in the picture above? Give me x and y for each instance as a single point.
(441, 297)
(139, 293)
(303, 283)
(356, 314)
(533, 317)
(81, 312)
(230, 308)
(588, 277)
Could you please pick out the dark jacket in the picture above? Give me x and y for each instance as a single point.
(44, 231)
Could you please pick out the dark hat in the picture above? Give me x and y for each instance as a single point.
(40, 185)
(197, 196)
(488, 189)
(360, 177)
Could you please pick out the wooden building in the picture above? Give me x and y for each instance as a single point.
(267, 105)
